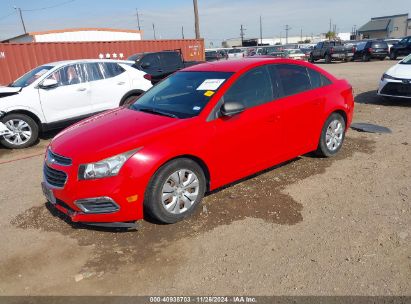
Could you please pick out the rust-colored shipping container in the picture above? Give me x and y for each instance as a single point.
(18, 58)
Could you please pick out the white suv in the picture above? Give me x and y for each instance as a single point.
(54, 95)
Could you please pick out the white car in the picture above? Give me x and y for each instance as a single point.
(296, 54)
(396, 82)
(235, 53)
(56, 94)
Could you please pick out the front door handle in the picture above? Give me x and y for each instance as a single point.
(81, 89)
(121, 82)
(274, 118)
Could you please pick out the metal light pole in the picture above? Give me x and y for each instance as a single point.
(138, 20)
(154, 32)
(196, 20)
(261, 32)
(21, 18)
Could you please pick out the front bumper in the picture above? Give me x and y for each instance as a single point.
(400, 88)
(99, 201)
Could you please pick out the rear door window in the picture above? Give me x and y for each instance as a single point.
(93, 72)
(379, 45)
(150, 61)
(170, 60)
(294, 79)
(317, 79)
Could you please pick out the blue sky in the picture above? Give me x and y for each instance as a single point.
(218, 19)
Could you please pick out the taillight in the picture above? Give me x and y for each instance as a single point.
(147, 76)
(332, 50)
(370, 50)
(353, 49)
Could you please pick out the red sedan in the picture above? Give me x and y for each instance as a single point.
(201, 128)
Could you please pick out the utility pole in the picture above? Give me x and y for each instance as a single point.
(242, 34)
(196, 20)
(330, 24)
(21, 18)
(287, 28)
(138, 20)
(261, 32)
(301, 35)
(154, 31)
(182, 31)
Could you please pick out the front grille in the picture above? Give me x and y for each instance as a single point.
(54, 177)
(58, 159)
(397, 89)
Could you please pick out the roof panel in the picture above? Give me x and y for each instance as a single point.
(375, 25)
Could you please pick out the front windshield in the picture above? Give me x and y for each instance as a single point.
(30, 77)
(182, 95)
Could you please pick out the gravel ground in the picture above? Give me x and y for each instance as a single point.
(313, 226)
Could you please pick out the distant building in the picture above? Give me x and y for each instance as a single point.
(78, 34)
(236, 42)
(395, 26)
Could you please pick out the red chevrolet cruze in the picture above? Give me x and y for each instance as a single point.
(201, 128)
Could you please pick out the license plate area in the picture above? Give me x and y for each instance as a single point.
(48, 193)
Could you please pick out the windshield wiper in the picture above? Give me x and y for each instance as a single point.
(154, 111)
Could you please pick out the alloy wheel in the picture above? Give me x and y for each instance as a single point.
(21, 132)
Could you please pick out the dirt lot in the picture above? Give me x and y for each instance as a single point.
(338, 226)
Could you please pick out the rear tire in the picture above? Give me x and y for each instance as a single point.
(175, 190)
(129, 100)
(365, 58)
(311, 59)
(332, 136)
(25, 131)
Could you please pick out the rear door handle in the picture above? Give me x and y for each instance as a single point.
(81, 89)
(121, 83)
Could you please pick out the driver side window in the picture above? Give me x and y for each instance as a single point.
(252, 89)
(69, 75)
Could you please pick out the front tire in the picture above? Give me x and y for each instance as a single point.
(175, 190)
(332, 136)
(25, 131)
(328, 58)
(393, 56)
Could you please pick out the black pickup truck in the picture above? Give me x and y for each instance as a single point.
(158, 65)
(331, 51)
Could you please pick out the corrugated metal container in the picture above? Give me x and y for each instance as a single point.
(19, 58)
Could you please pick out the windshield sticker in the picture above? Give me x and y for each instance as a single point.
(209, 93)
(41, 72)
(196, 108)
(210, 84)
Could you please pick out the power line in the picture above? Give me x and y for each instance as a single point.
(47, 7)
(4, 17)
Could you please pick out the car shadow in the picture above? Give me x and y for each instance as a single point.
(371, 97)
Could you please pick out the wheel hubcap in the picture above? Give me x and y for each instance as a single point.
(20, 132)
(334, 135)
(180, 191)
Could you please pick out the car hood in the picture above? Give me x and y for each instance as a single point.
(400, 71)
(8, 91)
(109, 133)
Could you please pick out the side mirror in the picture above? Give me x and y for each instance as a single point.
(232, 108)
(145, 65)
(49, 83)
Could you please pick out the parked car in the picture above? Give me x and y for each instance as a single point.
(391, 42)
(212, 56)
(198, 130)
(331, 51)
(296, 54)
(235, 53)
(402, 48)
(56, 94)
(396, 82)
(159, 65)
(372, 49)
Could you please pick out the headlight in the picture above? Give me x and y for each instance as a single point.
(386, 76)
(105, 168)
